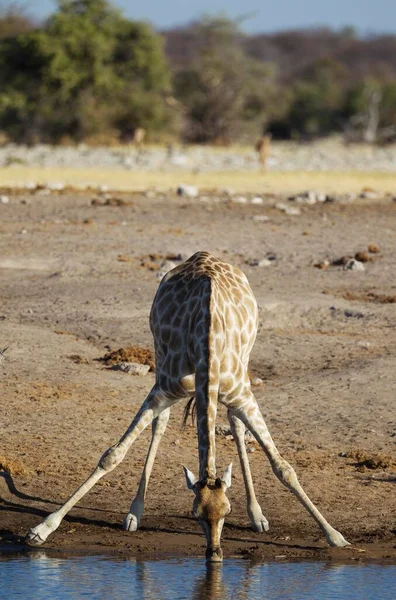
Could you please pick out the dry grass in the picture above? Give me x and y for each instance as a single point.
(12, 466)
(256, 182)
(136, 354)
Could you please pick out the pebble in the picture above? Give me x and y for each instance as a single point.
(165, 267)
(293, 211)
(190, 191)
(257, 200)
(4, 199)
(323, 264)
(374, 248)
(257, 381)
(362, 257)
(261, 218)
(132, 368)
(354, 265)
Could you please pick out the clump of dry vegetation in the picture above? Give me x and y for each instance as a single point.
(137, 354)
(369, 460)
(12, 466)
(371, 297)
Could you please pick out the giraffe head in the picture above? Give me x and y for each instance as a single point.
(211, 506)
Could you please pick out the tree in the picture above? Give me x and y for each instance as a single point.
(89, 70)
(224, 88)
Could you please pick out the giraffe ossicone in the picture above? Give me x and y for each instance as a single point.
(204, 321)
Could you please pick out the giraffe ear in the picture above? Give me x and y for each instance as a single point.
(191, 480)
(227, 476)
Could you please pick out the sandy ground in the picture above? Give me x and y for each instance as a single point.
(76, 280)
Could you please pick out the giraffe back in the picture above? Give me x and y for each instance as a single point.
(204, 314)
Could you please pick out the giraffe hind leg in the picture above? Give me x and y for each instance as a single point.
(257, 519)
(248, 411)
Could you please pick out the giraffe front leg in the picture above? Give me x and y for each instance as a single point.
(133, 518)
(257, 519)
(154, 404)
(249, 412)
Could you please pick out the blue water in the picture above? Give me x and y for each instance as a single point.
(40, 575)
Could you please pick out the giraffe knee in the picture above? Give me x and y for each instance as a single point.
(285, 473)
(111, 458)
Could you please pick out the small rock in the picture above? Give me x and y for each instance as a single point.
(304, 198)
(293, 211)
(131, 368)
(354, 265)
(257, 381)
(23, 231)
(190, 191)
(257, 200)
(55, 186)
(363, 256)
(239, 200)
(261, 218)
(4, 199)
(222, 430)
(165, 267)
(229, 437)
(363, 344)
(342, 261)
(374, 248)
(323, 264)
(251, 449)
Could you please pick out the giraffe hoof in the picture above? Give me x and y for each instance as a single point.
(33, 539)
(336, 540)
(260, 525)
(131, 523)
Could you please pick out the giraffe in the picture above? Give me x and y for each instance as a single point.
(204, 322)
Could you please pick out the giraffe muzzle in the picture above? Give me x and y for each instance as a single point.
(214, 554)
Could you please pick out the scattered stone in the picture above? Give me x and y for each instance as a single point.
(165, 267)
(354, 265)
(374, 248)
(256, 262)
(222, 430)
(4, 199)
(190, 191)
(257, 200)
(363, 344)
(363, 257)
(131, 368)
(55, 186)
(323, 264)
(342, 261)
(251, 449)
(354, 314)
(304, 198)
(369, 194)
(261, 218)
(293, 211)
(257, 381)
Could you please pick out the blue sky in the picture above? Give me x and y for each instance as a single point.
(367, 16)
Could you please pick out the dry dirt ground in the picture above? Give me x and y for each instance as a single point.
(77, 281)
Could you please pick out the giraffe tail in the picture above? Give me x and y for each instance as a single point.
(190, 409)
